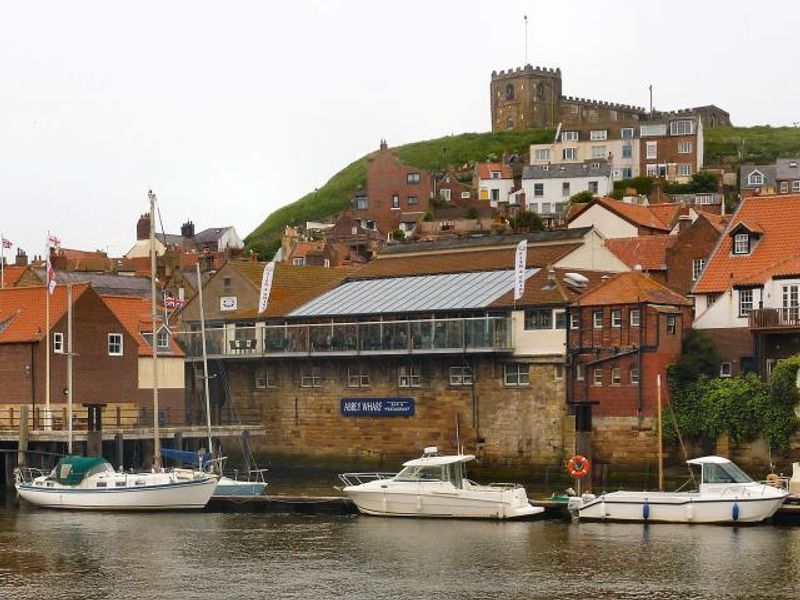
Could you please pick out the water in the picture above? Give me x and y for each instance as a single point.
(52, 554)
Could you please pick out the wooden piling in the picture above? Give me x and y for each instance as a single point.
(22, 447)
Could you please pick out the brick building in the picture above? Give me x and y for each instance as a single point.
(615, 218)
(671, 146)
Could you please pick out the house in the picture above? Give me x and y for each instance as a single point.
(495, 181)
(102, 283)
(615, 218)
(451, 189)
(617, 144)
(548, 187)
(671, 146)
(687, 257)
(621, 336)
(647, 253)
(748, 296)
(757, 180)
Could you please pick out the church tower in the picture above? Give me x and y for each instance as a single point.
(525, 98)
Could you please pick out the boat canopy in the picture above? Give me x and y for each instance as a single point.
(186, 457)
(71, 470)
(437, 461)
(708, 460)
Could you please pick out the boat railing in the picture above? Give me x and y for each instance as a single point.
(351, 479)
(27, 474)
(502, 484)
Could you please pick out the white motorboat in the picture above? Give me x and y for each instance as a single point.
(89, 483)
(725, 494)
(435, 486)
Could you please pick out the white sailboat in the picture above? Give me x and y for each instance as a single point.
(90, 483)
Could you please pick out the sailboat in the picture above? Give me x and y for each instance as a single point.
(91, 483)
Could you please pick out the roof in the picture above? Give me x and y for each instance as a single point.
(485, 170)
(212, 234)
(103, 283)
(437, 461)
(304, 248)
(718, 221)
(787, 168)
(768, 171)
(776, 219)
(136, 317)
(591, 168)
(479, 241)
(427, 293)
(637, 214)
(708, 460)
(11, 275)
(550, 287)
(649, 251)
(631, 287)
(22, 311)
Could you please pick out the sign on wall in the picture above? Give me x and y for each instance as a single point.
(228, 303)
(377, 407)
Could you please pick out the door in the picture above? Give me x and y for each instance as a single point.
(791, 304)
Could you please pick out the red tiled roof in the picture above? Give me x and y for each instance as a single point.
(135, 315)
(485, 170)
(12, 274)
(777, 219)
(718, 221)
(303, 248)
(643, 216)
(649, 251)
(547, 288)
(22, 311)
(667, 213)
(631, 287)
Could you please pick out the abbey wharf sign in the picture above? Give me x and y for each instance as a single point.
(377, 407)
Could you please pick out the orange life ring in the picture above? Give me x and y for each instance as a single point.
(578, 466)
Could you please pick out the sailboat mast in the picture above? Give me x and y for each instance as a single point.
(156, 433)
(69, 368)
(205, 357)
(660, 437)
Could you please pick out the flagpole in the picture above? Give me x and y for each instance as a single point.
(47, 335)
(69, 368)
(2, 262)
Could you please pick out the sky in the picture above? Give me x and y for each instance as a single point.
(229, 110)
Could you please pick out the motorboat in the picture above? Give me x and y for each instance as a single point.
(725, 494)
(90, 483)
(435, 486)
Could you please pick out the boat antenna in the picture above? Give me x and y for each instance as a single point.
(205, 358)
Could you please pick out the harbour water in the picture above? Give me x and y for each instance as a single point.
(53, 554)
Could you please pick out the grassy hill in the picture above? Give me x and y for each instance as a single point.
(432, 155)
(723, 147)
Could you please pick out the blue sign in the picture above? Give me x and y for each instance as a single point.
(377, 407)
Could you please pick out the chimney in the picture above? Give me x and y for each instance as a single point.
(657, 195)
(58, 259)
(22, 259)
(187, 229)
(384, 145)
(206, 261)
(683, 223)
(143, 227)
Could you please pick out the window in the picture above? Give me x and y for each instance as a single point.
(791, 303)
(516, 374)
(541, 154)
(495, 195)
(725, 369)
(784, 187)
(741, 243)
(311, 376)
(652, 150)
(598, 134)
(561, 319)
(745, 302)
(599, 152)
(569, 153)
(395, 201)
(684, 169)
(569, 136)
(264, 377)
(412, 200)
(651, 170)
(495, 174)
(510, 91)
(597, 319)
(796, 186)
(597, 377)
(616, 317)
(698, 264)
(538, 318)
(412, 178)
(649, 130)
(580, 372)
(299, 262)
(357, 377)
(558, 372)
(594, 187)
(115, 344)
(460, 375)
(627, 172)
(326, 262)
(626, 133)
(465, 195)
(546, 208)
(634, 375)
(162, 338)
(58, 343)
(574, 321)
(361, 203)
(409, 376)
(538, 190)
(684, 147)
(672, 324)
(616, 376)
(755, 178)
(510, 123)
(627, 151)
(682, 127)
(565, 188)
(227, 285)
(445, 194)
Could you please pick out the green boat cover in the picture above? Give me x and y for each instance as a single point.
(71, 470)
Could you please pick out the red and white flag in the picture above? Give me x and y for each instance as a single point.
(53, 240)
(51, 278)
(7, 243)
(172, 303)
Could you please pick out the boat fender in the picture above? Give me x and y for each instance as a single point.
(690, 510)
(603, 511)
(735, 511)
(646, 510)
(578, 466)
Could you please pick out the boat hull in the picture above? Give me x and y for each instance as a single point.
(233, 487)
(180, 495)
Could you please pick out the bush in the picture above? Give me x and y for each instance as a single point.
(526, 220)
(581, 197)
(398, 234)
(472, 213)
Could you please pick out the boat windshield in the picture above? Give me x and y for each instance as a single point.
(420, 474)
(724, 473)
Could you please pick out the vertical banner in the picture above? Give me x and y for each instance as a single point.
(266, 285)
(519, 269)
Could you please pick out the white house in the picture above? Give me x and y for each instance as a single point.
(495, 182)
(618, 219)
(549, 187)
(620, 147)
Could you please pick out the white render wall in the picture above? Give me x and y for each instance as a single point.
(724, 312)
(553, 189)
(607, 223)
(584, 153)
(537, 342)
(485, 187)
(593, 256)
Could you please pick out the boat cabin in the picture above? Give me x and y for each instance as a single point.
(436, 469)
(719, 470)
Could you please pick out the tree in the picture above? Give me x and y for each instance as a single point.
(526, 220)
(427, 217)
(472, 213)
(398, 234)
(698, 357)
(581, 197)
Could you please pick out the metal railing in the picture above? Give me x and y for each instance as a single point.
(777, 318)
(474, 334)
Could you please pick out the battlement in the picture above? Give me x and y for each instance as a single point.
(602, 104)
(527, 70)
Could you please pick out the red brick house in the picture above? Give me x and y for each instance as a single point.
(688, 256)
(620, 336)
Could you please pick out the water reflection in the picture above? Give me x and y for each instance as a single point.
(48, 554)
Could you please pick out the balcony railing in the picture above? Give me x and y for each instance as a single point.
(775, 318)
(479, 334)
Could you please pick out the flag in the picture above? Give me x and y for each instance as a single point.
(7, 243)
(172, 303)
(266, 285)
(519, 269)
(53, 240)
(51, 277)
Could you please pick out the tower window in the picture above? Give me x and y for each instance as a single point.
(510, 123)
(510, 91)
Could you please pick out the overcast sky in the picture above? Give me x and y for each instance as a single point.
(228, 110)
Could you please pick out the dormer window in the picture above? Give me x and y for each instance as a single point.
(741, 243)
(495, 174)
(755, 178)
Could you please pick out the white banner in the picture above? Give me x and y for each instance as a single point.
(519, 269)
(266, 285)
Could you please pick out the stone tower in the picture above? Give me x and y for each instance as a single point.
(526, 97)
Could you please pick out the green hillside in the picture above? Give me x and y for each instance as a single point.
(432, 155)
(763, 144)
